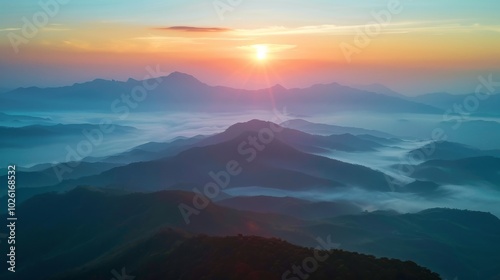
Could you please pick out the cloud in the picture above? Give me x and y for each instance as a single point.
(9, 29)
(271, 48)
(281, 30)
(195, 29)
(55, 29)
(445, 26)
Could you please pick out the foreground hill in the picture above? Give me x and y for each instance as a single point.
(450, 242)
(169, 255)
(90, 226)
(79, 226)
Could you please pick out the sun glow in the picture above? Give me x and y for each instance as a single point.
(261, 52)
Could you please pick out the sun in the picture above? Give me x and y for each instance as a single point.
(261, 52)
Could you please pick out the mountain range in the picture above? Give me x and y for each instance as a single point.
(309, 175)
(178, 91)
(92, 231)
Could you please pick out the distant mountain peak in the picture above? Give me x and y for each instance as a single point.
(458, 213)
(182, 78)
(180, 75)
(250, 125)
(379, 88)
(278, 87)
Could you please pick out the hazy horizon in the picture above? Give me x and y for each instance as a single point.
(361, 86)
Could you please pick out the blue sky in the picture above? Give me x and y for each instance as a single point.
(249, 12)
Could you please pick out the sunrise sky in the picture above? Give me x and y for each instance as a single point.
(427, 46)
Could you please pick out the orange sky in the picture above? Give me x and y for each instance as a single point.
(432, 54)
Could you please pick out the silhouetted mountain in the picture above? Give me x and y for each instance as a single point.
(450, 242)
(449, 151)
(22, 120)
(179, 91)
(302, 141)
(296, 138)
(328, 97)
(170, 256)
(94, 230)
(153, 151)
(379, 88)
(49, 177)
(470, 132)
(87, 223)
(295, 207)
(17, 137)
(422, 187)
(446, 101)
(277, 166)
(467, 171)
(34, 144)
(327, 129)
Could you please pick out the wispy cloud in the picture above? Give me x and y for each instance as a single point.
(442, 26)
(281, 30)
(55, 29)
(447, 26)
(9, 29)
(194, 29)
(271, 48)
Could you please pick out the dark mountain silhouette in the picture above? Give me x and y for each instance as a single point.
(22, 137)
(295, 207)
(93, 230)
(469, 132)
(91, 222)
(328, 97)
(20, 120)
(328, 129)
(425, 188)
(48, 177)
(450, 242)
(379, 88)
(467, 171)
(45, 175)
(296, 138)
(278, 165)
(449, 151)
(152, 151)
(168, 255)
(179, 91)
